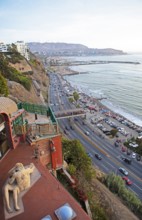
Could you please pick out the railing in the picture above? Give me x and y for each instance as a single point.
(37, 109)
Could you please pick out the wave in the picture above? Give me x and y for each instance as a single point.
(121, 84)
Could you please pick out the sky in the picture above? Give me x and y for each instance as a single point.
(95, 23)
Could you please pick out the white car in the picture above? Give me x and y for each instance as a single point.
(123, 171)
(87, 133)
(133, 145)
(133, 155)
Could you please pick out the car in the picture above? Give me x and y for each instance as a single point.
(133, 155)
(87, 133)
(71, 127)
(66, 132)
(127, 160)
(98, 156)
(133, 145)
(127, 180)
(67, 128)
(89, 154)
(123, 171)
(138, 157)
(84, 122)
(123, 149)
(116, 144)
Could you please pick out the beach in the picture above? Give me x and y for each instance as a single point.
(120, 84)
(96, 118)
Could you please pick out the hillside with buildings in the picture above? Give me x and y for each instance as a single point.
(22, 74)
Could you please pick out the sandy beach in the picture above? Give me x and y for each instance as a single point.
(101, 110)
(96, 118)
(64, 70)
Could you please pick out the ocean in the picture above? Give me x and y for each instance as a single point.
(119, 83)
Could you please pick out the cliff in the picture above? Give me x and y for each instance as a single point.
(21, 77)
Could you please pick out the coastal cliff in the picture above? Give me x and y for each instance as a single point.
(18, 77)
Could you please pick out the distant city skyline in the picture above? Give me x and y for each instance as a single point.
(96, 24)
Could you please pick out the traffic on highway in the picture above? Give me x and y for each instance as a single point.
(100, 148)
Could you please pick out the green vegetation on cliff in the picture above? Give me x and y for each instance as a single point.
(3, 86)
(117, 186)
(11, 73)
(80, 167)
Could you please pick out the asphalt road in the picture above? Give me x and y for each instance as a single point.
(111, 156)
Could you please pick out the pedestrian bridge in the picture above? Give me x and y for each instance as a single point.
(69, 113)
(46, 110)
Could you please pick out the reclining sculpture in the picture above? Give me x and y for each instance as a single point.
(18, 181)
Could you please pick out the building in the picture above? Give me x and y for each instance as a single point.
(3, 47)
(30, 134)
(22, 49)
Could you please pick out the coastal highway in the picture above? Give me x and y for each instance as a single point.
(111, 156)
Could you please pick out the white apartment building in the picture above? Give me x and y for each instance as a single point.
(22, 49)
(3, 47)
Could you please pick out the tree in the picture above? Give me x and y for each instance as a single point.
(74, 153)
(113, 132)
(71, 100)
(3, 86)
(76, 96)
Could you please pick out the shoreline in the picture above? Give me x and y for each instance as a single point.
(66, 71)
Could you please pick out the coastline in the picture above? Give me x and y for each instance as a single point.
(65, 71)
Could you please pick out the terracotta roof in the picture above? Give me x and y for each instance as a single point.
(45, 196)
(7, 105)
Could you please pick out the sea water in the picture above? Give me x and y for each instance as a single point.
(119, 83)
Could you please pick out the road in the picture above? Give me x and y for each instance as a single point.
(94, 143)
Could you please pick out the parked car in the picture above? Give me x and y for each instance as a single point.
(84, 122)
(123, 149)
(87, 133)
(128, 182)
(133, 144)
(123, 171)
(138, 157)
(98, 156)
(116, 144)
(133, 155)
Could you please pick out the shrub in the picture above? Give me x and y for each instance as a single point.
(117, 185)
(3, 86)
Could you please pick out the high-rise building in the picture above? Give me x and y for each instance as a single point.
(22, 49)
(3, 47)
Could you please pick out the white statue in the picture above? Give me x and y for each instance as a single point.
(19, 180)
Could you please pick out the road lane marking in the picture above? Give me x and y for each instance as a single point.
(90, 141)
(104, 167)
(105, 153)
(137, 186)
(133, 191)
(110, 165)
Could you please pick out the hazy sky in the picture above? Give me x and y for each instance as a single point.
(94, 23)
